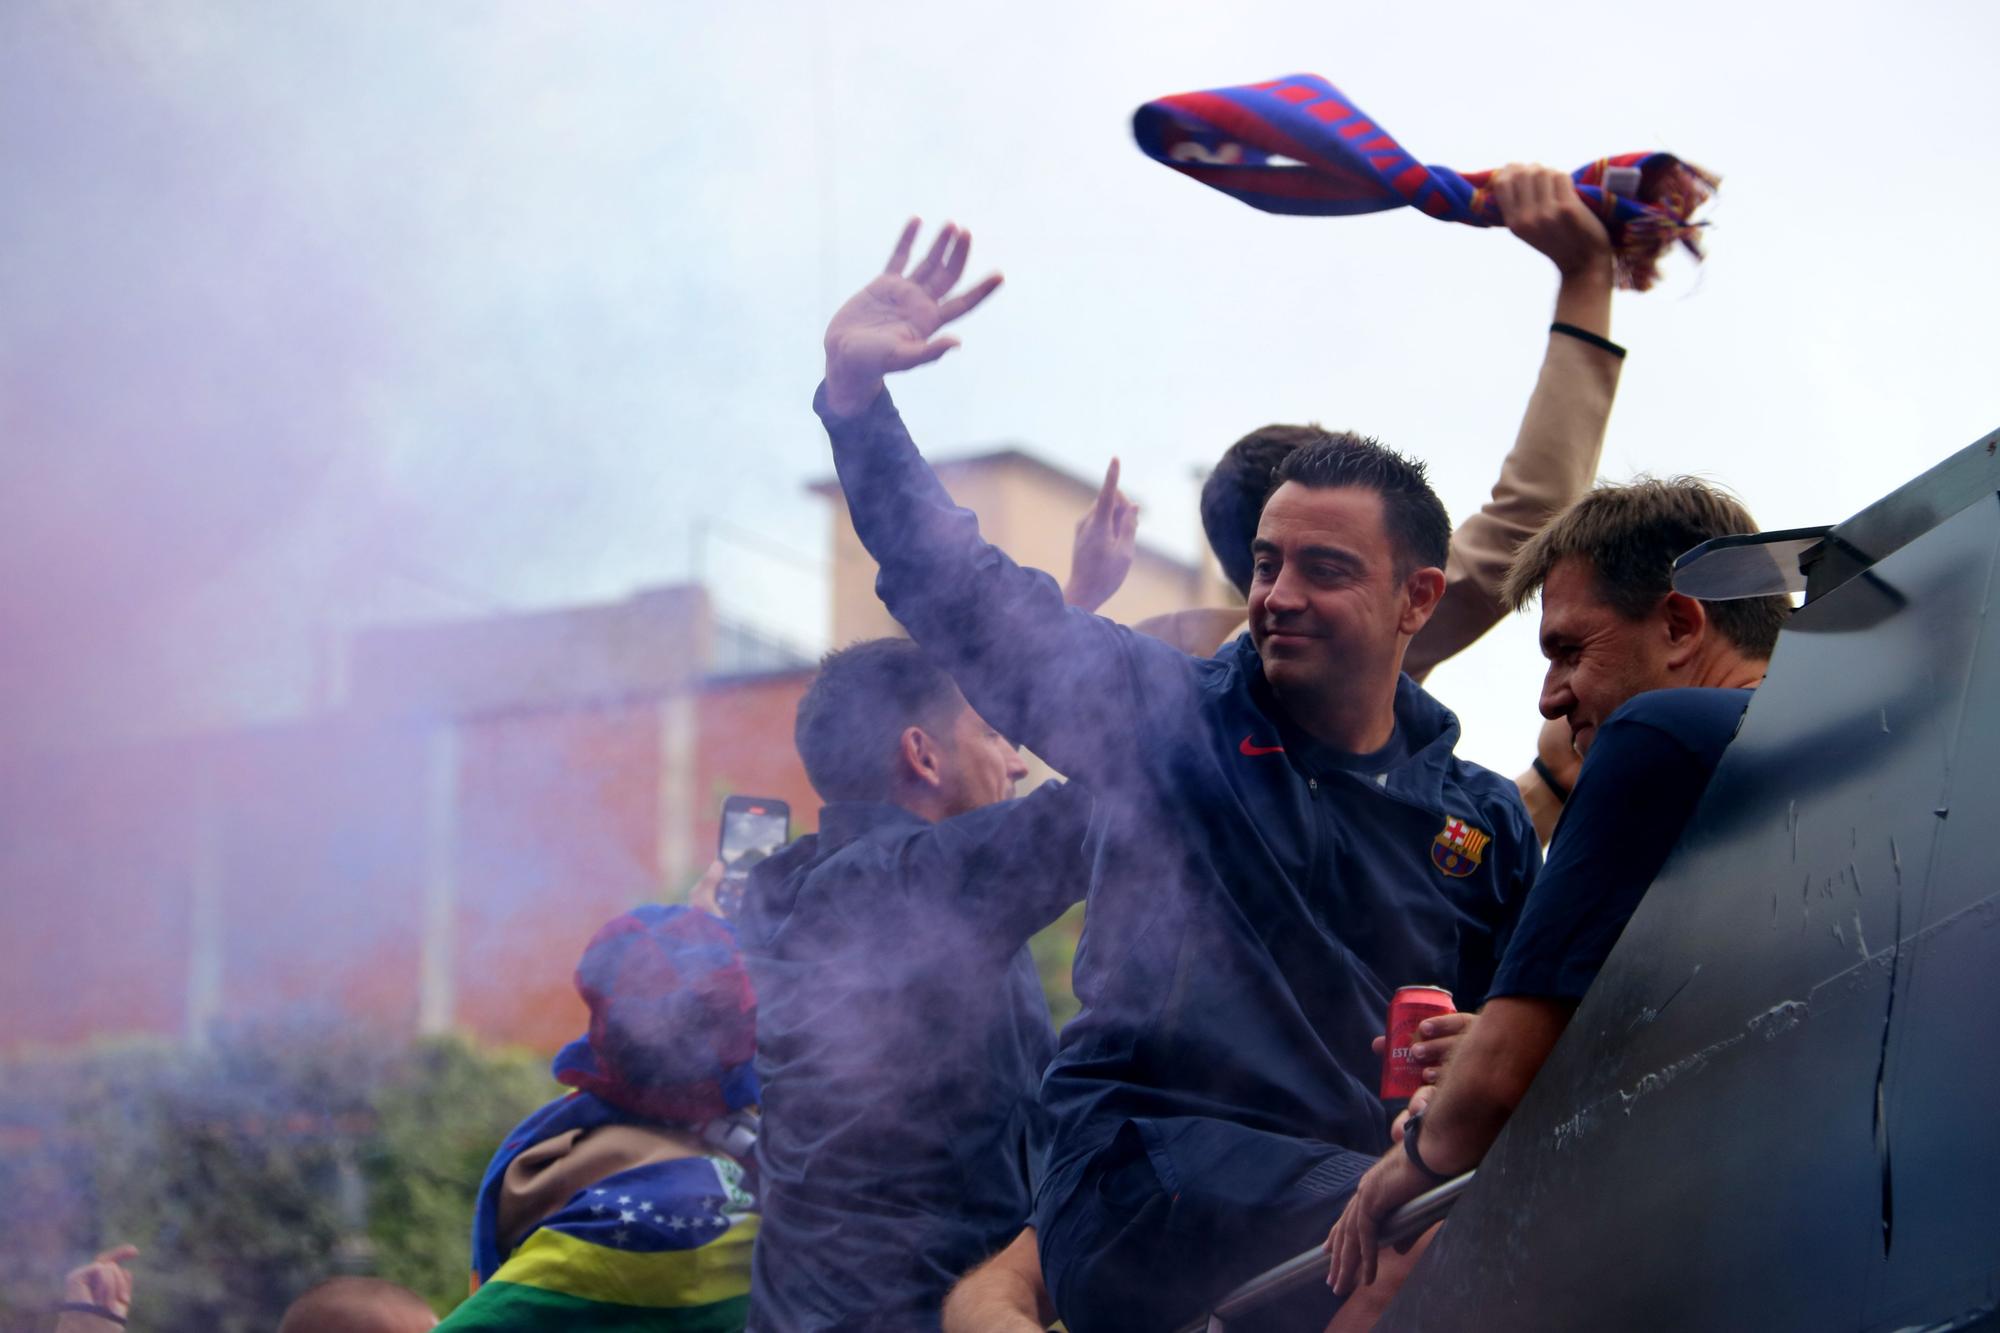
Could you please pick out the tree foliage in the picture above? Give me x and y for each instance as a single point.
(276, 1157)
(249, 1171)
(1054, 949)
(437, 1128)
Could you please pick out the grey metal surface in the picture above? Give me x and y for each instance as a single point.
(1905, 514)
(1238, 1308)
(1759, 564)
(1777, 1107)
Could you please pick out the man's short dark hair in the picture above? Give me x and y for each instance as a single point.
(852, 718)
(1631, 535)
(1232, 499)
(1418, 527)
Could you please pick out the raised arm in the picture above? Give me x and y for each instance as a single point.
(1076, 689)
(1018, 864)
(1555, 455)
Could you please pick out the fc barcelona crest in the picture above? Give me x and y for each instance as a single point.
(1459, 849)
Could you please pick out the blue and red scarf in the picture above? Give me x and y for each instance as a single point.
(1300, 145)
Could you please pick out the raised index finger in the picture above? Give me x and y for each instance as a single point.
(1109, 491)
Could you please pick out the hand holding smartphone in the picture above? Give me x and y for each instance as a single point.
(753, 827)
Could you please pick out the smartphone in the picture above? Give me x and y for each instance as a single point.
(753, 827)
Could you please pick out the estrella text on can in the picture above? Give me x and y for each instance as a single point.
(1409, 1006)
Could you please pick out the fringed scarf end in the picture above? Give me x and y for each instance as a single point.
(1673, 192)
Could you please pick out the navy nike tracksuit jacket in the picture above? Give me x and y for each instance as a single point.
(1255, 898)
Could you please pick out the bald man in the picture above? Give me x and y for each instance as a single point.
(358, 1305)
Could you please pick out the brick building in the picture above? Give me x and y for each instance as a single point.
(433, 853)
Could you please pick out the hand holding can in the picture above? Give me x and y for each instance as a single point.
(1411, 1005)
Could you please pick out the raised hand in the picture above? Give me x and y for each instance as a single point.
(1542, 207)
(891, 324)
(99, 1294)
(1106, 538)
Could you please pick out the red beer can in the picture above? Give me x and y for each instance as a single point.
(1409, 1006)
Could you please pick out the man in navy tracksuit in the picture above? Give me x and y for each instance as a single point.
(901, 1026)
(1283, 835)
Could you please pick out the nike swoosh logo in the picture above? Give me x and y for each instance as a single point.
(1254, 750)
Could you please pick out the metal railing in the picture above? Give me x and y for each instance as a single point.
(1405, 1224)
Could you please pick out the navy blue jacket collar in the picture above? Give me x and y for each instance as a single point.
(779, 878)
(842, 822)
(1429, 731)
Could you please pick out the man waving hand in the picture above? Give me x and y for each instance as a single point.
(1284, 834)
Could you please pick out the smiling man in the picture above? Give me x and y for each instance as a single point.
(1345, 569)
(1282, 834)
(1612, 625)
(1652, 684)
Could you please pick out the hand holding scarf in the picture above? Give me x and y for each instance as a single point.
(1299, 145)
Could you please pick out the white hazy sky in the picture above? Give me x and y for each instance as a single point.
(324, 312)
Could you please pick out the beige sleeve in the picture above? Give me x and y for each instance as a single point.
(1551, 464)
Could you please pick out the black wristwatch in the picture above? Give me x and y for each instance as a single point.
(1411, 1128)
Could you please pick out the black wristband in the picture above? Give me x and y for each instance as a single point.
(96, 1311)
(1585, 335)
(1410, 1129)
(1548, 777)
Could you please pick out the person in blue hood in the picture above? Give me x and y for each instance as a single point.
(1281, 835)
(902, 1029)
(628, 1204)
